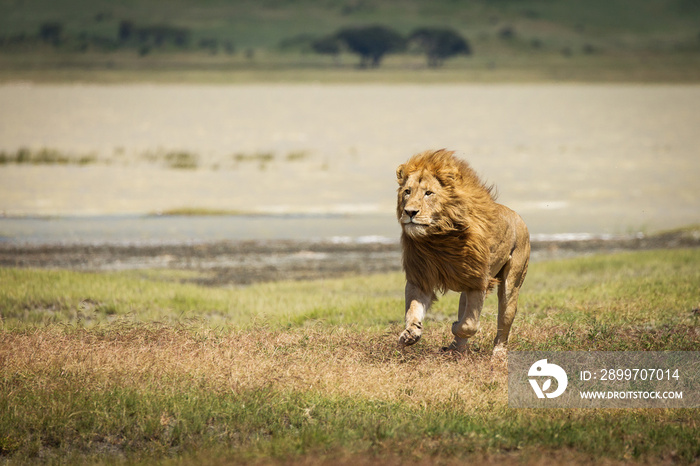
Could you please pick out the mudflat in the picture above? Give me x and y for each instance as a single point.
(233, 263)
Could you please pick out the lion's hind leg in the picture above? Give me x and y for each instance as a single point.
(512, 276)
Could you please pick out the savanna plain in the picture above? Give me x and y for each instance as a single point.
(169, 365)
(176, 365)
(172, 365)
(144, 366)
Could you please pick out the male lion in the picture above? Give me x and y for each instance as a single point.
(456, 237)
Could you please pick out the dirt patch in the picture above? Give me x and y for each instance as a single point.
(220, 263)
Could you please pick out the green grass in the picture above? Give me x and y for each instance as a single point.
(274, 67)
(145, 366)
(566, 40)
(38, 297)
(251, 24)
(652, 287)
(283, 426)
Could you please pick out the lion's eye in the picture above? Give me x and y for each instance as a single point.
(428, 193)
(407, 192)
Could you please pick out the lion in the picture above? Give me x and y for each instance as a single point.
(456, 237)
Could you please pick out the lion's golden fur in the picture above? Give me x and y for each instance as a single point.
(453, 251)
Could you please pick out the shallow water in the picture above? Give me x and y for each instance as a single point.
(594, 159)
(145, 230)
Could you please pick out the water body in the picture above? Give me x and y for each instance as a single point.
(318, 161)
(148, 230)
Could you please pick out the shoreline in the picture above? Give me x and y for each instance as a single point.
(237, 263)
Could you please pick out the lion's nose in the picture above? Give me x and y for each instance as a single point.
(411, 213)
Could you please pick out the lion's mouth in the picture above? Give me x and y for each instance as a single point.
(414, 228)
(414, 221)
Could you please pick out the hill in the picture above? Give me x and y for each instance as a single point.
(218, 34)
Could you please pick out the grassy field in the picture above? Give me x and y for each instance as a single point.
(514, 41)
(275, 68)
(144, 366)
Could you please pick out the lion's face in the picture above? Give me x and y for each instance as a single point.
(419, 205)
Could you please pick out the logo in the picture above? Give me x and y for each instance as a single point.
(542, 368)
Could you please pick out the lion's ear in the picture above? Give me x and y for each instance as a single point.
(448, 176)
(400, 175)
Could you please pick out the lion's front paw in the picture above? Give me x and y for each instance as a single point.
(410, 336)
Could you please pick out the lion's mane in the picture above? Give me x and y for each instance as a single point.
(454, 254)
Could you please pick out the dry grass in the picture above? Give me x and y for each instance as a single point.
(327, 382)
(343, 361)
(143, 392)
(340, 362)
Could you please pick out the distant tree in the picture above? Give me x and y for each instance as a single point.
(180, 37)
(126, 29)
(440, 44)
(371, 43)
(211, 44)
(153, 36)
(51, 32)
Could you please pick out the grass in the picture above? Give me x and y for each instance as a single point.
(181, 160)
(200, 211)
(144, 366)
(631, 289)
(174, 159)
(171, 159)
(260, 157)
(566, 40)
(44, 156)
(297, 156)
(276, 68)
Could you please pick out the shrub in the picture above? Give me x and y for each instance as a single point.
(439, 44)
(181, 160)
(371, 43)
(126, 29)
(51, 32)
